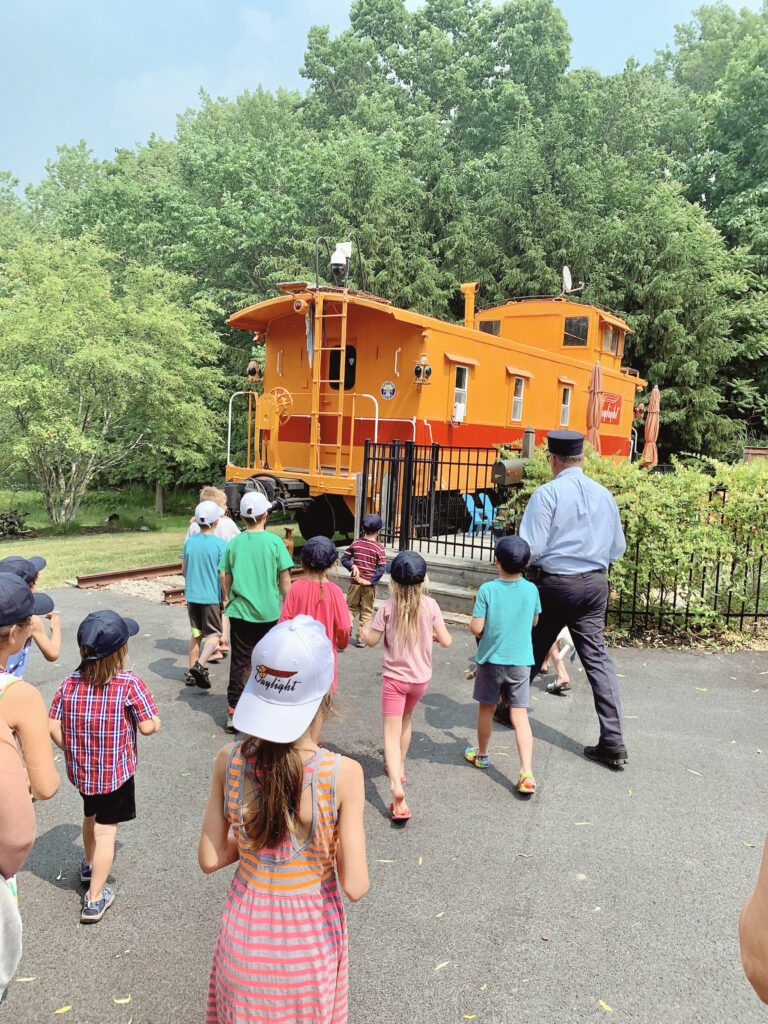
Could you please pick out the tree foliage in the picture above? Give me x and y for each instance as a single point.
(103, 365)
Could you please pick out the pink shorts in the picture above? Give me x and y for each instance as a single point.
(398, 696)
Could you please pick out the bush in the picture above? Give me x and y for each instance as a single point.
(695, 540)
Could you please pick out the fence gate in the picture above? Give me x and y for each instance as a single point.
(432, 498)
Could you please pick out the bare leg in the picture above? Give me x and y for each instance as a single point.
(562, 671)
(523, 736)
(405, 738)
(194, 650)
(88, 840)
(210, 644)
(103, 856)
(484, 727)
(393, 731)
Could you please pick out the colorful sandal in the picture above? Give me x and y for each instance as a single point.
(526, 784)
(478, 760)
(398, 817)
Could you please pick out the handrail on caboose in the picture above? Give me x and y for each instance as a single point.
(229, 425)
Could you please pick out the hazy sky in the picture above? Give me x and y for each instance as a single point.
(112, 71)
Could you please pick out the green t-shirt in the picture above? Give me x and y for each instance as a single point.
(254, 559)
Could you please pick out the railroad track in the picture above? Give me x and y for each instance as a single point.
(144, 572)
(171, 595)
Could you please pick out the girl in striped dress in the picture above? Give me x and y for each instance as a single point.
(291, 815)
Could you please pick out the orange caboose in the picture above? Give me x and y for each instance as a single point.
(344, 366)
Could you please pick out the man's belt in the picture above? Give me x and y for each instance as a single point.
(535, 574)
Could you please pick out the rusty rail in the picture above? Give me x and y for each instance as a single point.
(103, 579)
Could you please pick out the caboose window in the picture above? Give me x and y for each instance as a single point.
(491, 327)
(610, 339)
(350, 365)
(565, 407)
(576, 329)
(460, 390)
(517, 399)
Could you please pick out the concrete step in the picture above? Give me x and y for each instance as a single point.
(465, 572)
(454, 598)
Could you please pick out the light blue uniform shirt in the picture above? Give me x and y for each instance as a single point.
(572, 525)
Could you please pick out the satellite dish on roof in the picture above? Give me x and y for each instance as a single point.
(567, 280)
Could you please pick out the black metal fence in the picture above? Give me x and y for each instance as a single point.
(440, 500)
(433, 498)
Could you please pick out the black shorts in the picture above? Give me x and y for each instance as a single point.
(205, 619)
(111, 808)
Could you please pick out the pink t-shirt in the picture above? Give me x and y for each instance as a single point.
(304, 599)
(409, 664)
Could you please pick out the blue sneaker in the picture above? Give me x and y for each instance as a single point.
(94, 910)
(85, 872)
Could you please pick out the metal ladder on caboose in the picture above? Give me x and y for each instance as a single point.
(320, 346)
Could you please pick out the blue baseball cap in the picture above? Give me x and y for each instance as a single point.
(319, 551)
(27, 568)
(18, 602)
(104, 632)
(408, 568)
(371, 522)
(513, 553)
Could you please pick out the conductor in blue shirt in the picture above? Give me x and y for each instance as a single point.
(573, 528)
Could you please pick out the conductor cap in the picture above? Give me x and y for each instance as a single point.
(565, 442)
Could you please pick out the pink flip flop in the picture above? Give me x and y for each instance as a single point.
(398, 817)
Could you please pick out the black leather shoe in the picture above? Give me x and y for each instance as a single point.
(612, 757)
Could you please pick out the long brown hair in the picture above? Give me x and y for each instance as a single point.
(273, 812)
(407, 602)
(103, 670)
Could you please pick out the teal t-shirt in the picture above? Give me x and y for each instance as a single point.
(508, 607)
(254, 559)
(202, 554)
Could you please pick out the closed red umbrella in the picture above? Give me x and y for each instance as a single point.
(650, 454)
(595, 406)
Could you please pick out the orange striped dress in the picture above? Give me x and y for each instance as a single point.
(281, 954)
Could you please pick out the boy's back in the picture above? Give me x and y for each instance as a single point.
(508, 607)
(202, 554)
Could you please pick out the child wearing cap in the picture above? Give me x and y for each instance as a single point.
(314, 595)
(409, 621)
(93, 718)
(21, 706)
(366, 559)
(290, 815)
(227, 529)
(202, 589)
(257, 570)
(29, 569)
(506, 610)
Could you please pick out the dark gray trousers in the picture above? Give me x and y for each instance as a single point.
(579, 602)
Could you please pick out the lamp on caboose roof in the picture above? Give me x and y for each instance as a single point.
(342, 254)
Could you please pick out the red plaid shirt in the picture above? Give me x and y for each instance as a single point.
(99, 728)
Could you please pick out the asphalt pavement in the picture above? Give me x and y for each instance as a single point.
(607, 897)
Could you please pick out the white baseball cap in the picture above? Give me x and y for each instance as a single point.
(207, 513)
(254, 504)
(291, 672)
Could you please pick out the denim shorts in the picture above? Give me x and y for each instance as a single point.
(511, 681)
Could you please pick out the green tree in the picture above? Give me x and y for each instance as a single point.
(103, 365)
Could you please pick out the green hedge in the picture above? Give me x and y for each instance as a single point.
(695, 541)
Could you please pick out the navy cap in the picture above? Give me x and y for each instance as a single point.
(319, 551)
(104, 632)
(565, 442)
(17, 601)
(408, 568)
(513, 553)
(27, 568)
(371, 523)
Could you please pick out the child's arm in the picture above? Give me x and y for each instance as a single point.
(184, 567)
(284, 582)
(351, 863)
(535, 621)
(50, 647)
(226, 585)
(442, 635)
(348, 561)
(149, 725)
(371, 635)
(218, 847)
(56, 732)
(753, 934)
(25, 713)
(476, 626)
(17, 814)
